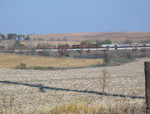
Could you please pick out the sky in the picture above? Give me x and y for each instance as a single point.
(73, 16)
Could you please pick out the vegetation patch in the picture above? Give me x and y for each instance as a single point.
(118, 61)
(21, 66)
(9, 61)
(83, 108)
(76, 108)
(40, 68)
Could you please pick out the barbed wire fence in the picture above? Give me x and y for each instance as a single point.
(103, 88)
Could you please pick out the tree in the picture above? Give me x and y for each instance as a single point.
(98, 42)
(17, 44)
(86, 42)
(107, 41)
(128, 41)
(3, 36)
(12, 36)
(27, 38)
(104, 42)
(107, 59)
(33, 51)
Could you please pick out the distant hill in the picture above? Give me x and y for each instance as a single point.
(114, 36)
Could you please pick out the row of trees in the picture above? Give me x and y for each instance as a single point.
(88, 42)
(104, 42)
(11, 36)
(108, 41)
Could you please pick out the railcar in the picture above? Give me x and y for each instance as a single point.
(93, 46)
(76, 46)
(88, 46)
(63, 46)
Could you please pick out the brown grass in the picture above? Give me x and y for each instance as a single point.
(114, 36)
(104, 80)
(35, 43)
(83, 108)
(8, 61)
(76, 108)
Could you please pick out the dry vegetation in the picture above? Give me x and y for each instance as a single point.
(114, 36)
(35, 43)
(9, 61)
(51, 91)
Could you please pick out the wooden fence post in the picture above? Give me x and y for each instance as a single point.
(147, 86)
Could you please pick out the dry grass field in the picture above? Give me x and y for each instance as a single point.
(35, 43)
(8, 61)
(114, 36)
(76, 38)
(35, 91)
(8, 43)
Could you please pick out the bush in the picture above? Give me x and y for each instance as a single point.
(107, 59)
(17, 44)
(40, 68)
(128, 41)
(21, 66)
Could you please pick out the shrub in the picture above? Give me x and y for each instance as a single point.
(40, 68)
(21, 66)
(128, 41)
(107, 59)
(105, 80)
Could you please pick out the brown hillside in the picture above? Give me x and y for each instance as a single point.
(114, 36)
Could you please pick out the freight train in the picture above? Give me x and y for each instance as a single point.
(24, 47)
(92, 46)
(68, 46)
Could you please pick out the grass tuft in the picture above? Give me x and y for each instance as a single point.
(76, 108)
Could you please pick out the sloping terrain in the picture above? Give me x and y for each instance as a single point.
(9, 61)
(37, 90)
(114, 36)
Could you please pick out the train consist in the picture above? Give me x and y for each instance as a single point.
(24, 47)
(67, 46)
(92, 46)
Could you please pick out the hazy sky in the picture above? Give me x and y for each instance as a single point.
(72, 16)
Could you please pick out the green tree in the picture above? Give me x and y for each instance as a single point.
(128, 41)
(98, 42)
(107, 41)
(27, 38)
(12, 36)
(86, 42)
(3, 36)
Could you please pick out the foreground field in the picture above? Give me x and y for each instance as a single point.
(31, 91)
(8, 61)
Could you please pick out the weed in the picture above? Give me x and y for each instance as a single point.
(105, 80)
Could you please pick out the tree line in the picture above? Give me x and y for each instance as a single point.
(13, 36)
(88, 42)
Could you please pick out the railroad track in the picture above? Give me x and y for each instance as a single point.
(85, 49)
